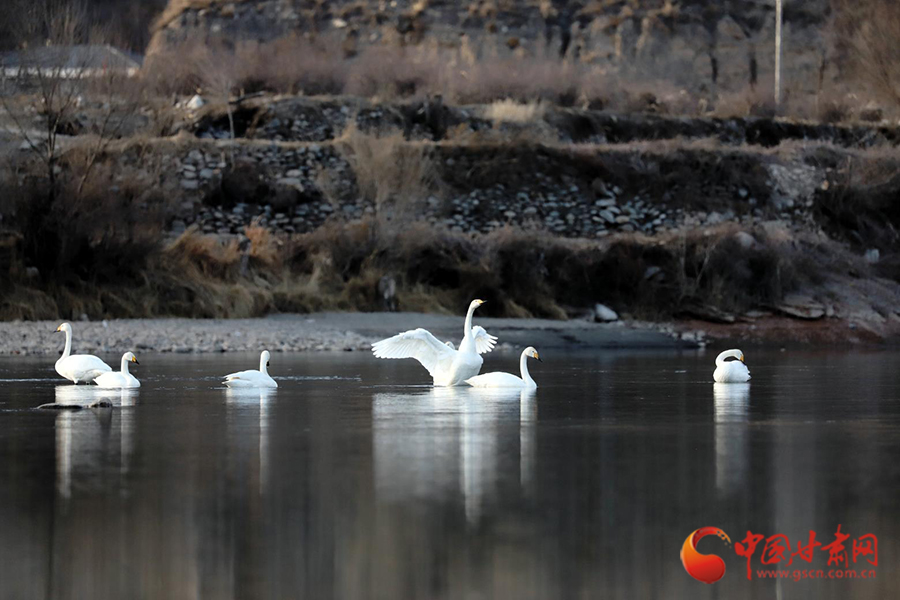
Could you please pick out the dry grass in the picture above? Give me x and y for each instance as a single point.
(338, 266)
(265, 247)
(390, 171)
(870, 29)
(510, 111)
(517, 85)
(211, 255)
(296, 65)
(533, 274)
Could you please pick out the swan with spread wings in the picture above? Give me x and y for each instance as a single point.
(446, 365)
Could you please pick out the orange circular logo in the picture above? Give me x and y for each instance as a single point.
(707, 568)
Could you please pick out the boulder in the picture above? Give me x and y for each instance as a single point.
(604, 314)
(801, 307)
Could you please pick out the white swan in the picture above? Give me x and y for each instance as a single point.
(446, 365)
(253, 379)
(120, 379)
(731, 371)
(79, 368)
(508, 380)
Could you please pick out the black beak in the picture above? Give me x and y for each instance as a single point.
(136, 362)
(268, 364)
(540, 359)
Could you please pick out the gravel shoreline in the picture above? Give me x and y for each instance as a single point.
(307, 333)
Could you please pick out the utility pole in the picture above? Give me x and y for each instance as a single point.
(777, 55)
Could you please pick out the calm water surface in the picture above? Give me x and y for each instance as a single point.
(355, 480)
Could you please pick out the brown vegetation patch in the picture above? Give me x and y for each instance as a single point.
(390, 172)
(339, 265)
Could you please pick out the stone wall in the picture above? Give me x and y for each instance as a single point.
(589, 192)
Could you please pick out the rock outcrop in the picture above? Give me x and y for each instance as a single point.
(722, 43)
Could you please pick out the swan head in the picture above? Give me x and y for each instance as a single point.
(532, 353)
(130, 357)
(730, 354)
(476, 303)
(64, 327)
(264, 357)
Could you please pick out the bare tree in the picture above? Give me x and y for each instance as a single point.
(52, 89)
(55, 79)
(870, 28)
(51, 84)
(218, 80)
(119, 97)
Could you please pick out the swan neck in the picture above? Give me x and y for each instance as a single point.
(720, 360)
(523, 368)
(262, 365)
(68, 348)
(467, 329)
(124, 366)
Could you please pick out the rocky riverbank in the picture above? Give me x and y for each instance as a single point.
(315, 333)
(545, 211)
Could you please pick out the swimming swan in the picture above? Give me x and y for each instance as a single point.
(120, 379)
(79, 368)
(508, 380)
(253, 379)
(731, 371)
(446, 365)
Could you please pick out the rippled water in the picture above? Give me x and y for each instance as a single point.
(356, 480)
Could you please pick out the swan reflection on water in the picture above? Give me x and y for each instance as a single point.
(732, 401)
(85, 395)
(250, 396)
(246, 399)
(87, 440)
(442, 442)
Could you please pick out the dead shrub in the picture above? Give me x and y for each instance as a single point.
(870, 29)
(292, 65)
(212, 255)
(755, 102)
(395, 174)
(265, 247)
(860, 205)
(834, 111)
(102, 232)
(383, 72)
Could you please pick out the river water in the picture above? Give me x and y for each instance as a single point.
(355, 479)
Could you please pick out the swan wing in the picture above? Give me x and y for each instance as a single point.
(95, 373)
(82, 367)
(484, 342)
(109, 380)
(496, 380)
(249, 379)
(92, 363)
(418, 344)
(244, 376)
